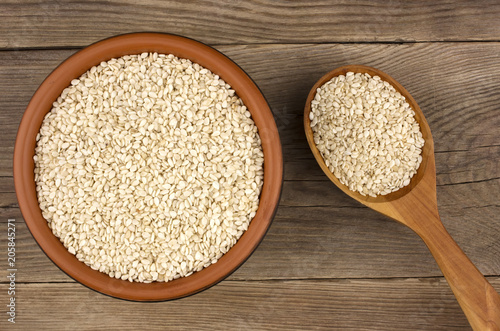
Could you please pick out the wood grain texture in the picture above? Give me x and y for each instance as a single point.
(386, 304)
(73, 23)
(327, 262)
(292, 249)
(459, 104)
(331, 241)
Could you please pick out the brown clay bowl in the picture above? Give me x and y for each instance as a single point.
(75, 66)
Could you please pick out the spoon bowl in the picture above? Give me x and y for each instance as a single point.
(427, 151)
(415, 206)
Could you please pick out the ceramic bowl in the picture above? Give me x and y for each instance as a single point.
(74, 67)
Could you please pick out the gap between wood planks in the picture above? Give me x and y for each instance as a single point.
(298, 279)
(77, 48)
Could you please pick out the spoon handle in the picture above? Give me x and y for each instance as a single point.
(478, 299)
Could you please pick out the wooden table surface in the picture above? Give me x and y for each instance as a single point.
(327, 262)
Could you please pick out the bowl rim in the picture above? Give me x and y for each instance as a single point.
(136, 43)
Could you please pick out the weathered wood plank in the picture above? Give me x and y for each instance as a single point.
(453, 167)
(388, 304)
(462, 166)
(75, 23)
(300, 244)
(319, 232)
(463, 116)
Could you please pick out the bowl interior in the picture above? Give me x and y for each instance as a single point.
(427, 151)
(75, 66)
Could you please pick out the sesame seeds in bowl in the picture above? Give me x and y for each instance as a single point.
(148, 167)
(157, 166)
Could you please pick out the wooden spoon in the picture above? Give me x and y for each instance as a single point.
(416, 207)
